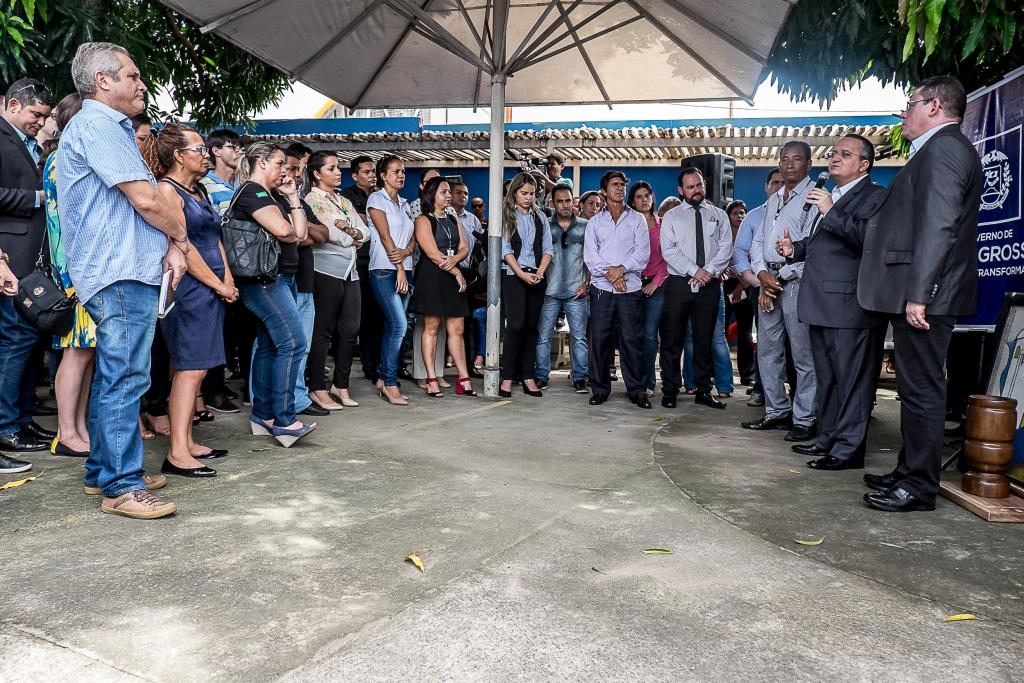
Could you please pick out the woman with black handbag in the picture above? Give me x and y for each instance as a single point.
(267, 197)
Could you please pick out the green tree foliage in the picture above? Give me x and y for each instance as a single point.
(208, 79)
(826, 45)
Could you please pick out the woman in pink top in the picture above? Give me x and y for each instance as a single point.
(641, 198)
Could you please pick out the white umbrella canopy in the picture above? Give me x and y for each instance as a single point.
(447, 53)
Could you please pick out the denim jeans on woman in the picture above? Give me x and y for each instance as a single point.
(393, 306)
(719, 353)
(653, 306)
(125, 315)
(279, 350)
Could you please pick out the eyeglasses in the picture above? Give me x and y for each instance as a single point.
(911, 103)
(844, 153)
(198, 149)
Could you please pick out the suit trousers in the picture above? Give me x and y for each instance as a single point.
(773, 329)
(846, 363)
(700, 310)
(921, 383)
(611, 312)
(521, 305)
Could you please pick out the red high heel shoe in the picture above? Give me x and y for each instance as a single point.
(460, 387)
(434, 394)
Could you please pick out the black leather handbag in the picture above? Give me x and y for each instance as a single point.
(44, 303)
(251, 251)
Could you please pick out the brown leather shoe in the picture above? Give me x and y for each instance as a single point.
(138, 504)
(152, 481)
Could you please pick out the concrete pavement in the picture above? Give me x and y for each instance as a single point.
(530, 516)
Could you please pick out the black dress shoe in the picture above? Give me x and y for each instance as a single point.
(12, 465)
(833, 464)
(596, 400)
(705, 398)
(543, 384)
(58, 448)
(642, 401)
(801, 433)
(31, 430)
(810, 449)
(785, 422)
(315, 410)
(222, 404)
(403, 373)
(193, 472)
(668, 401)
(212, 454)
(881, 482)
(474, 373)
(896, 500)
(19, 443)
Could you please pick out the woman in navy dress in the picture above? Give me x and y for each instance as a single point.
(194, 327)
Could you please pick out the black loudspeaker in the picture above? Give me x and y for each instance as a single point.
(719, 171)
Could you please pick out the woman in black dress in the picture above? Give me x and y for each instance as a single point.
(194, 327)
(440, 288)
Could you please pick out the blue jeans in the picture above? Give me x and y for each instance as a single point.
(576, 313)
(653, 306)
(395, 323)
(480, 318)
(125, 315)
(280, 347)
(17, 339)
(304, 302)
(719, 354)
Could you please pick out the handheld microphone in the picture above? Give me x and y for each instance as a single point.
(822, 179)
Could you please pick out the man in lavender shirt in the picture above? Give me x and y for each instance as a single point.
(616, 250)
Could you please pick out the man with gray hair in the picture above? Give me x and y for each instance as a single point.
(120, 236)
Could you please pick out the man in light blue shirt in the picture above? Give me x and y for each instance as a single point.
(120, 236)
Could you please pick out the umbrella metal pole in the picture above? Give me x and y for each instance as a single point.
(495, 202)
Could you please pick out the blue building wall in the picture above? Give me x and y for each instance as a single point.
(749, 179)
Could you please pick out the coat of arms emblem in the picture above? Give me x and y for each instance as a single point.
(996, 180)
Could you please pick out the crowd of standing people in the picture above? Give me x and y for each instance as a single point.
(117, 209)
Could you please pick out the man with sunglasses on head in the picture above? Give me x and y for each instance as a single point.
(568, 285)
(920, 269)
(846, 340)
(22, 222)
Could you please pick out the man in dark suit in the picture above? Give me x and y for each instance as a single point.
(919, 266)
(846, 340)
(22, 222)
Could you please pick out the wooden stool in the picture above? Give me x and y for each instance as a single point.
(991, 426)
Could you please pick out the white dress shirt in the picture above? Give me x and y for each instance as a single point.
(679, 239)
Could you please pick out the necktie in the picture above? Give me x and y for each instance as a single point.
(698, 224)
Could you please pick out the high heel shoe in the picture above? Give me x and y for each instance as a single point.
(461, 390)
(335, 393)
(258, 427)
(434, 394)
(504, 393)
(400, 400)
(531, 392)
(287, 437)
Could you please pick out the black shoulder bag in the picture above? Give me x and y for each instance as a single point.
(41, 301)
(251, 251)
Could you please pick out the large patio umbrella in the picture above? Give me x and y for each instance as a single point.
(447, 53)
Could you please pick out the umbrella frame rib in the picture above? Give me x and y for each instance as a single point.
(574, 34)
(301, 69)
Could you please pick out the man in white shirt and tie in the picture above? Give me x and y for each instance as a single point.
(696, 243)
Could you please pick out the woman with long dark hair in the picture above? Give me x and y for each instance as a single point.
(641, 199)
(440, 286)
(337, 300)
(268, 196)
(392, 242)
(194, 327)
(526, 252)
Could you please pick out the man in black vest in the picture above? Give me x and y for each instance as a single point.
(22, 222)
(846, 340)
(920, 267)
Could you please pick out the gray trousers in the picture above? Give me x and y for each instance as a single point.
(773, 328)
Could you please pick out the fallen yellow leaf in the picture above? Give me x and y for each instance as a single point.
(795, 472)
(658, 418)
(657, 551)
(818, 542)
(960, 617)
(16, 484)
(415, 559)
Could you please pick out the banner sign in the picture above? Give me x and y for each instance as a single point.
(993, 121)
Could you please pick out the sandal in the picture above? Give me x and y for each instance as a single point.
(461, 390)
(434, 394)
(202, 416)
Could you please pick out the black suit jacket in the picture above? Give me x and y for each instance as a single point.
(921, 243)
(21, 225)
(828, 289)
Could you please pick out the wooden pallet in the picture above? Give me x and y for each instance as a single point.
(1009, 509)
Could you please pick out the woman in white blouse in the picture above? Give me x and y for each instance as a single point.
(391, 245)
(336, 296)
